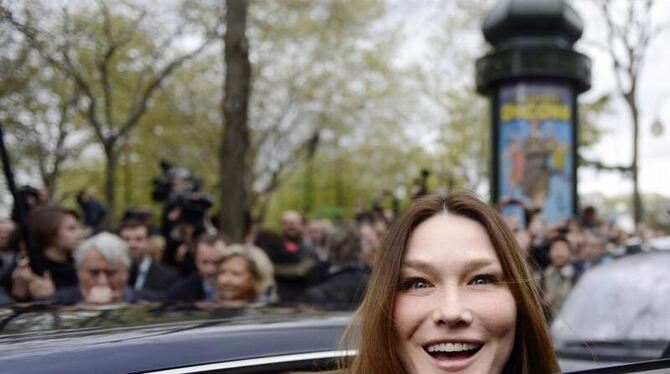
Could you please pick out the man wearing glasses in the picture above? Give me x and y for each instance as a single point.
(103, 264)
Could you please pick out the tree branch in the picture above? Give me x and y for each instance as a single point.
(140, 105)
(612, 30)
(64, 66)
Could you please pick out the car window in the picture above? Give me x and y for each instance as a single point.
(623, 300)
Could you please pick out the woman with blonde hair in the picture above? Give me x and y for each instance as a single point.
(450, 292)
(245, 275)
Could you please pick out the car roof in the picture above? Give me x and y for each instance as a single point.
(620, 301)
(147, 338)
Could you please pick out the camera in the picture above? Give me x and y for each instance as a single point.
(179, 189)
(173, 181)
(193, 207)
(29, 197)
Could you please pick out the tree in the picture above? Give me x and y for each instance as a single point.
(37, 108)
(235, 143)
(117, 64)
(302, 85)
(450, 108)
(630, 31)
(319, 66)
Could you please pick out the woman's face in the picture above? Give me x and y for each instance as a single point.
(452, 312)
(559, 253)
(235, 282)
(69, 234)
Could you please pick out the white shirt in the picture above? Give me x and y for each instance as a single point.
(142, 272)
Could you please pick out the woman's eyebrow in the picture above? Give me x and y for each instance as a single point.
(469, 266)
(419, 265)
(476, 264)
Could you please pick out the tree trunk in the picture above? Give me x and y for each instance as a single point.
(638, 208)
(235, 142)
(111, 163)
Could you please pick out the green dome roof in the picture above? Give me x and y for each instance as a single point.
(514, 22)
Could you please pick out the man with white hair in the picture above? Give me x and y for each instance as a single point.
(102, 262)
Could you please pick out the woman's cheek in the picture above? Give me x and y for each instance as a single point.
(496, 311)
(409, 312)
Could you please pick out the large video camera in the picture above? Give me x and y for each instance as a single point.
(178, 188)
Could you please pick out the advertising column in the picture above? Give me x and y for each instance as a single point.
(535, 144)
(532, 77)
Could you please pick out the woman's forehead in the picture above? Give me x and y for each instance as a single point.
(450, 238)
(236, 260)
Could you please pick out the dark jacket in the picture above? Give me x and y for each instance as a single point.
(158, 280)
(4, 298)
(64, 275)
(189, 289)
(343, 288)
(186, 266)
(296, 266)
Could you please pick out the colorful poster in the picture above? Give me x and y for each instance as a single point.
(535, 160)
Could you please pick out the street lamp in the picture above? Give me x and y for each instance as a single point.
(657, 126)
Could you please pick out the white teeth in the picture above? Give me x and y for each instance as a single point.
(452, 347)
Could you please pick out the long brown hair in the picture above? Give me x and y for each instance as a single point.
(533, 349)
(45, 222)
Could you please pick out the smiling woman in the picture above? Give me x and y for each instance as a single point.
(450, 292)
(245, 275)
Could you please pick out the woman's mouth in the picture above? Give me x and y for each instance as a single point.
(452, 350)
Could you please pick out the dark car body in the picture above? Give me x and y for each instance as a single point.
(151, 339)
(188, 339)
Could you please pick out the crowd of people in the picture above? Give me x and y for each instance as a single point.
(185, 259)
(560, 254)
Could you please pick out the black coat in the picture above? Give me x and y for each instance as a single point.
(343, 288)
(186, 266)
(189, 289)
(4, 299)
(158, 280)
(64, 275)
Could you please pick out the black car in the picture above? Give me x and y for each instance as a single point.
(185, 339)
(169, 340)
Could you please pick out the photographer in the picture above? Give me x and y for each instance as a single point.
(184, 213)
(185, 223)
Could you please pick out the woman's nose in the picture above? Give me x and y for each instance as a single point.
(451, 308)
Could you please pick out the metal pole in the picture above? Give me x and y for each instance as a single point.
(36, 262)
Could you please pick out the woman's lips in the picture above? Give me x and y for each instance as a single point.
(453, 356)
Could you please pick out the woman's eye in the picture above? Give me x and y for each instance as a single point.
(414, 284)
(484, 279)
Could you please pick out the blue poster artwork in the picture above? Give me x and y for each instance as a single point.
(535, 145)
